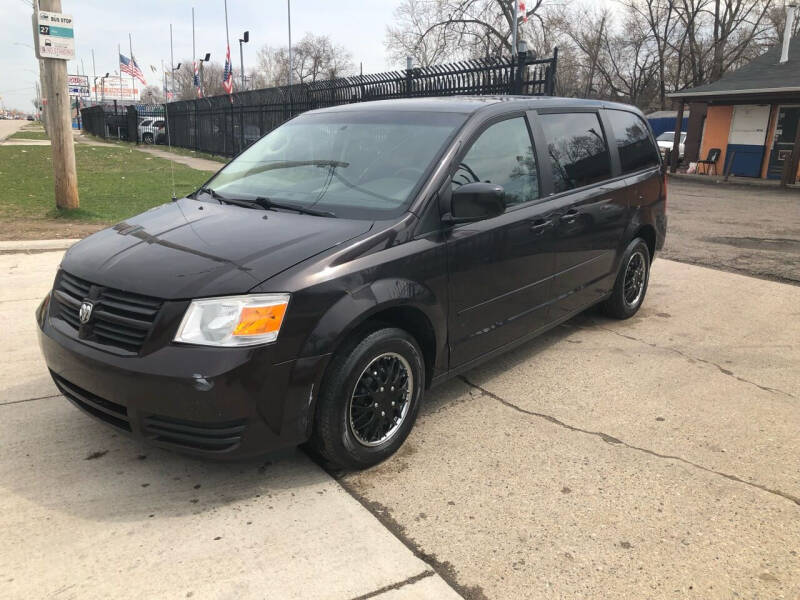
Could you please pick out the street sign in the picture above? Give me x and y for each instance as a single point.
(78, 85)
(55, 37)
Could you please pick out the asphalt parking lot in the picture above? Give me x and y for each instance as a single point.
(651, 458)
(743, 229)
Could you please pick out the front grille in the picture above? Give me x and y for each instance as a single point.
(120, 319)
(110, 412)
(199, 436)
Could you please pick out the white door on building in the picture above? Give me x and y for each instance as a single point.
(746, 140)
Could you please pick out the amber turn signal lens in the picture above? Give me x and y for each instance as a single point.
(257, 320)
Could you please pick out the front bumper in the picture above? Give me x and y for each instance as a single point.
(222, 402)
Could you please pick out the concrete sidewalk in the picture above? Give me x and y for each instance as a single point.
(201, 164)
(88, 513)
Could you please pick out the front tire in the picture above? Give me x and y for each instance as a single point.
(631, 284)
(147, 138)
(369, 399)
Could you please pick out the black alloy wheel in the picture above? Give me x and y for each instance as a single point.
(380, 400)
(630, 286)
(369, 398)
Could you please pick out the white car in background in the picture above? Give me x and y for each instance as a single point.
(665, 141)
(151, 131)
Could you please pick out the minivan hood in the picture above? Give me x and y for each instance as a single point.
(192, 249)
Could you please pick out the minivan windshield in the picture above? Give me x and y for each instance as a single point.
(358, 165)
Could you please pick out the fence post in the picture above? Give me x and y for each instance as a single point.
(519, 72)
(551, 73)
(409, 70)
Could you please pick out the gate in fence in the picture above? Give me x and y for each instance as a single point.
(226, 125)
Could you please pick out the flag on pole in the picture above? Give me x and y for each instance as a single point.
(227, 73)
(523, 12)
(196, 80)
(129, 66)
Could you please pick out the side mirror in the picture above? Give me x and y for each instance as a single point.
(476, 201)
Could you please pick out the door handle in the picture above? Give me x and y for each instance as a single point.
(570, 216)
(539, 225)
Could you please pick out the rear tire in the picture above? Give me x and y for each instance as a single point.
(369, 399)
(631, 284)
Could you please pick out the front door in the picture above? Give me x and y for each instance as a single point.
(500, 269)
(785, 132)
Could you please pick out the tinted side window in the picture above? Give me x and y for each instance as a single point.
(577, 149)
(636, 150)
(503, 154)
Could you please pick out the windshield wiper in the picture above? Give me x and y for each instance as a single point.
(264, 203)
(268, 204)
(213, 193)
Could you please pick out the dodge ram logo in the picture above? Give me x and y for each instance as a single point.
(85, 312)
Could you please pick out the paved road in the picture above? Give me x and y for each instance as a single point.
(652, 458)
(8, 127)
(86, 513)
(751, 230)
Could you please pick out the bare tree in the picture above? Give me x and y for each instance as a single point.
(455, 29)
(152, 94)
(315, 57)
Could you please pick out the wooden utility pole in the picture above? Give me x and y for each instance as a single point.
(54, 75)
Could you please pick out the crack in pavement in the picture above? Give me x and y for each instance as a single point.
(612, 440)
(29, 400)
(396, 586)
(723, 370)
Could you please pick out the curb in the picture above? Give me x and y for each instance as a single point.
(14, 246)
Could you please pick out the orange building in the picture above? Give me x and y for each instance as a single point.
(751, 115)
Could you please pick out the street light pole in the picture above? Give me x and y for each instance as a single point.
(203, 60)
(243, 40)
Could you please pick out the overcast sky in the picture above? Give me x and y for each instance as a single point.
(359, 25)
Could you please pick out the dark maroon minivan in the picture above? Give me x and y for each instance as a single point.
(352, 258)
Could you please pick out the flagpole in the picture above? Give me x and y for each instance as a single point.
(289, 12)
(171, 63)
(94, 81)
(228, 50)
(119, 66)
(133, 83)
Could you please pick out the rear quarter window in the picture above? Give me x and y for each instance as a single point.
(577, 149)
(636, 149)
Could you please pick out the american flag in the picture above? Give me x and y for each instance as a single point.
(196, 80)
(523, 12)
(129, 66)
(227, 73)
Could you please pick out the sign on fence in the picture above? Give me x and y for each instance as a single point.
(78, 85)
(55, 37)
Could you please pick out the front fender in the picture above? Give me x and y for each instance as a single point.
(357, 306)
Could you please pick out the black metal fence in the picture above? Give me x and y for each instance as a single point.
(226, 125)
(108, 120)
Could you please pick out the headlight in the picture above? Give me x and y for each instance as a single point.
(233, 321)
